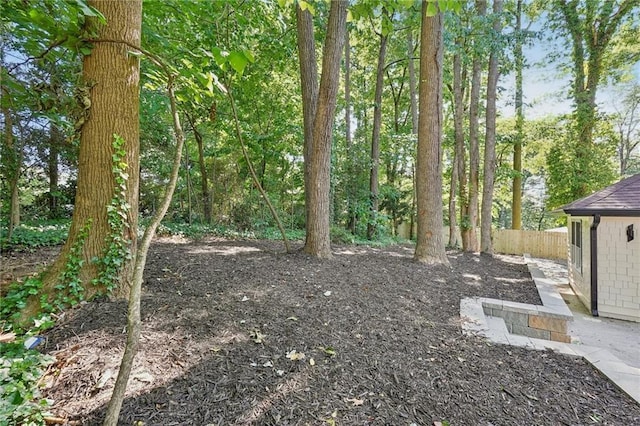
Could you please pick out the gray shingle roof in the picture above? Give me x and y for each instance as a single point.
(619, 199)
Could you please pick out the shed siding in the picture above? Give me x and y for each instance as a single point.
(619, 269)
(580, 280)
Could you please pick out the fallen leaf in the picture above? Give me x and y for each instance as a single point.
(295, 356)
(461, 359)
(355, 401)
(268, 364)
(108, 373)
(312, 362)
(292, 319)
(144, 376)
(280, 372)
(327, 293)
(244, 298)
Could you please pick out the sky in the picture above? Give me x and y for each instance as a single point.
(545, 89)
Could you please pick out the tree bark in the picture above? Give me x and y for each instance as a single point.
(460, 152)
(55, 138)
(470, 234)
(516, 201)
(490, 138)
(114, 75)
(309, 88)
(430, 246)
(204, 177)
(318, 242)
(375, 139)
(350, 185)
(14, 165)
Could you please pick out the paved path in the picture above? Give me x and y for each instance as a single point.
(622, 338)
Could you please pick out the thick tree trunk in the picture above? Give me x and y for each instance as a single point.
(490, 139)
(309, 88)
(114, 74)
(470, 233)
(318, 242)
(375, 140)
(516, 202)
(430, 246)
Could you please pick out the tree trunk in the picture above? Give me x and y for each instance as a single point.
(55, 138)
(350, 185)
(318, 242)
(470, 234)
(490, 138)
(460, 152)
(204, 178)
(413, 97)
(430, 246)
(13, 162)
(114, 75)
(375, 139)
(516, 202)
(309, 88)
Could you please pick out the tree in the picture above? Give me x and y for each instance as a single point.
(319, 104)
(627, 123)
(591, 27)
(490, 136)
(377, 123)
(430, 247)
(469, 228)
(516, 202)
(102, 237)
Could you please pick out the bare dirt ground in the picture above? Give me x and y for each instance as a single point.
(238, 333)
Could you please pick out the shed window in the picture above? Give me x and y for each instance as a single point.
(576, 244)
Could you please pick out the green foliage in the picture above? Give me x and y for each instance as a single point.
(117, 246)
(16, 299)
(29, 236)
(20, 373)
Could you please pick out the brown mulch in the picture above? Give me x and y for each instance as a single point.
(380, 335)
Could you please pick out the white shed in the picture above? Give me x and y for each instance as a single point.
(604, 250)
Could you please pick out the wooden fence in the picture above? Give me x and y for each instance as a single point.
(544, 244)
(550, 245)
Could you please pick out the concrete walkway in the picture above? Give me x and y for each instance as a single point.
(621, 338)
(611, 346)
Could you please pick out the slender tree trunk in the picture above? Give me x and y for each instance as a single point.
(413, 97)
(350, 186)
(430, 246)
(318, 242)
(490, 139)
(55, 138)
(134, 321)
(375, 139)
(516, 202)
(460, 152)
(470, 233)
(14, 165)
(204, 178)
(187, 169)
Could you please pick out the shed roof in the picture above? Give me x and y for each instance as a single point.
(619, 199)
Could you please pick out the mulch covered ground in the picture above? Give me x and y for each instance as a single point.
(238, 333)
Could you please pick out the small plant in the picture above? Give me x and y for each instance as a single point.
(117, 250)
(30, 236)
(21, 371)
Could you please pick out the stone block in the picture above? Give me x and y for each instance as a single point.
(559, 337)
(531, 332)
(547, 323)
(515, 318)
